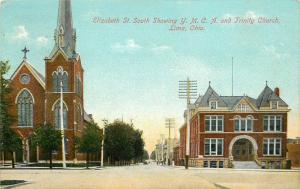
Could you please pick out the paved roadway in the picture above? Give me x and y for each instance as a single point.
(153, 177)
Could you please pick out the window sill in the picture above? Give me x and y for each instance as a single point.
(272, 155)
(24, 126)
(273, 131)
(214, 131)
(213, 155)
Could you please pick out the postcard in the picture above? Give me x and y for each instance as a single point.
(166, 94)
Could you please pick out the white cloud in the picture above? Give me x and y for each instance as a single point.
(184, 66)
(248, 14)
(160, 49)
(42, 41)
(274, 52)
(251, 14)
(129, 46)
(21, 33)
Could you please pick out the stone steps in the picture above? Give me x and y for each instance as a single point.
(245, 165)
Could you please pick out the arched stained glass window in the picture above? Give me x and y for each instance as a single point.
(25, 109)
(78, 85)
(65, 79)
(57, 78)
(57, 115)
(55, 82)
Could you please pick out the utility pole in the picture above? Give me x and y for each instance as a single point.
(61, 73)
(169, 124)
(188, 91)
(162, 147)
(102, 146)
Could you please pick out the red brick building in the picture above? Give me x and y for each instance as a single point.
(225, 129)
(37, 98)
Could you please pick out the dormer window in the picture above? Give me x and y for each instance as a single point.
(274, 105)
(213, 105)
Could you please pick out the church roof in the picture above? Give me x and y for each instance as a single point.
(38, 76)
(65, 34)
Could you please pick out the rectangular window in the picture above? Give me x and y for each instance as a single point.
(272, 146)
(214, 123)
(243, 125)
(249, 124)
(237, 125)
(274, 105)
(221, 164)
(213, 105)
(273, 123)
(213, 164)
(214, 147)
(207, 146)
(205, 164)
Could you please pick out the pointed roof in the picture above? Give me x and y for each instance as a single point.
(38, 76)
(268, 95)
(65, 34)
(210, 95)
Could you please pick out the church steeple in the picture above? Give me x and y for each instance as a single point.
(65, 34)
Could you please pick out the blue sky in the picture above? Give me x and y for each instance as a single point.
(133, 70)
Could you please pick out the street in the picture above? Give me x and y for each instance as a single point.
(152, 177)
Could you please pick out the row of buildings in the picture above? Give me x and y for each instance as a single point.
(225, 130)
(36, 96)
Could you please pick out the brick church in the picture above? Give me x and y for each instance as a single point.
(37, 97)
(227, 131)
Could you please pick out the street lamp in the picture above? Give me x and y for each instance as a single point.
(61, 73)
(102, 146)
(187, 90)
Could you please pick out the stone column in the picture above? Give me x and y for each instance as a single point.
(37, 153)
(3, 159)
(24, 150)
(27, 151)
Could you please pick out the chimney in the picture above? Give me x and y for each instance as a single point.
(277, 91)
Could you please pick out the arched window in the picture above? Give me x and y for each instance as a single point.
(65, 79)
(57, 115)
(57, 77)
(243, 124)
(55, 81)
(78, 85)
(25, 109)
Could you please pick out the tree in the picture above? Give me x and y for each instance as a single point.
(48, 138)
(153, 156)
(9, 140)
(145, 155)
(138, 145)
(90, 141)
(122, 142)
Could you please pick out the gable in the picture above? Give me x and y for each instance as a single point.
(31, 70)
(244, 105)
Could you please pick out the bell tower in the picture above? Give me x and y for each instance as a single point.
(64, 65)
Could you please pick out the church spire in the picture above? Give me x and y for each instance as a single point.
(65, 34)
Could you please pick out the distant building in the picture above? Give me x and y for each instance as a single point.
(224, 129)
(161, 149)
(293, 151)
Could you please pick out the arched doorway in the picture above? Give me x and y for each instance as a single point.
(242, 150)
